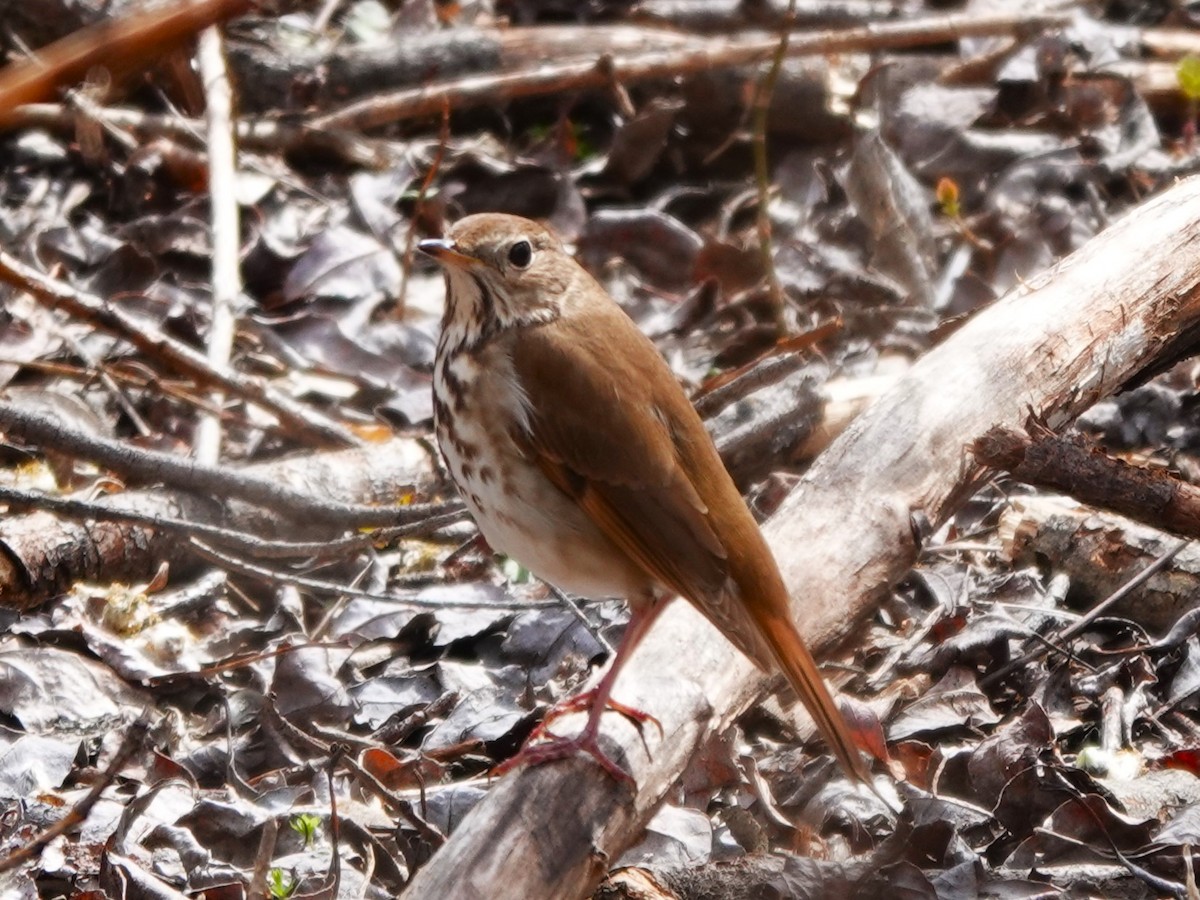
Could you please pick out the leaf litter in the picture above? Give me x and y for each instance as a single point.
(1070, 775)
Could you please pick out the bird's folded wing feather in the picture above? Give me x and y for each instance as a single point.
(606, 435)
(600, 434)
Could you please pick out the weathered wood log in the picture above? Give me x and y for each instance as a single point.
(1063, 340)
(42, 554)
(1101, 552)
(1075, 466)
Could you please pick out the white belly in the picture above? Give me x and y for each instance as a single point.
(519, 511)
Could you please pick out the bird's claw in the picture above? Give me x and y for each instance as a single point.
(583, 702)
(565, 748)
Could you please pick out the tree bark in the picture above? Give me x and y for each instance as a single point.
(1082, 330)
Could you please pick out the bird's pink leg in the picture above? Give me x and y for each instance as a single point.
(597, 701)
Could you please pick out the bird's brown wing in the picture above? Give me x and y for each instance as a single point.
(610, 428)
(599, 432)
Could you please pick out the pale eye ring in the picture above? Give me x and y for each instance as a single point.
(520, 254)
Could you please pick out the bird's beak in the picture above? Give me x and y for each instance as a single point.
(446, 253)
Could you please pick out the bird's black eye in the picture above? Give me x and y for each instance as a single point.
(520, 254)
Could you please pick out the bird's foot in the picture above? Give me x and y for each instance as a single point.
(534, 754)
(583, 703)
(544, 746)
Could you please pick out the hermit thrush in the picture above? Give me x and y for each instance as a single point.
(580, 456)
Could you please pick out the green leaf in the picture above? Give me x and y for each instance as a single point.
(305, 825)
(514, 571)
(280, 884)
(1187, 73)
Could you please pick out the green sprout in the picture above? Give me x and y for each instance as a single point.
(514, 571)
(1187, 73)
(280, 884)
(306, 825)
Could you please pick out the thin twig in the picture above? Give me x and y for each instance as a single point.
(222, 198)
(242, 661)
(572, 606)
(153, 466)
(262, 859)
(389, 108)
(410, 239)
(338, 754)
(398, 803)
(328, 587)
(41, 318)
(246, 542)
(1094, 613)
(762, 172)
(766, 372)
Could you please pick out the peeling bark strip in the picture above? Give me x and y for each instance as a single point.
(1072, 335)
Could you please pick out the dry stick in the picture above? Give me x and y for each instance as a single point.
(1084, 621)
(92, 111)
(262, 860)
(42, 318)
(134, 737)
(110, 383)
(254, 133)
(781, 360)
(410, 239)
(336, 757)
(112, 44)
(762, 173)
(1073, 466)
(84, 510)
(409, 103)
(428, 831)
(765, 372)
(153, 466)
(274, 576)
(222, 198)
(1056, 344)
(338, 127)
(572, 606)
(242, 660)
(302, 421)
(1159, 885)
(130, 373)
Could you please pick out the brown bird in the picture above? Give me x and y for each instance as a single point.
(580, 456)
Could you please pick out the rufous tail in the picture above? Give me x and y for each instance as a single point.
(797, 664)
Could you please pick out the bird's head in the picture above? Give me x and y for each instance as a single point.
(501, 271)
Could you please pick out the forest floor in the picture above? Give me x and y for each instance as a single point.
(251, 645)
